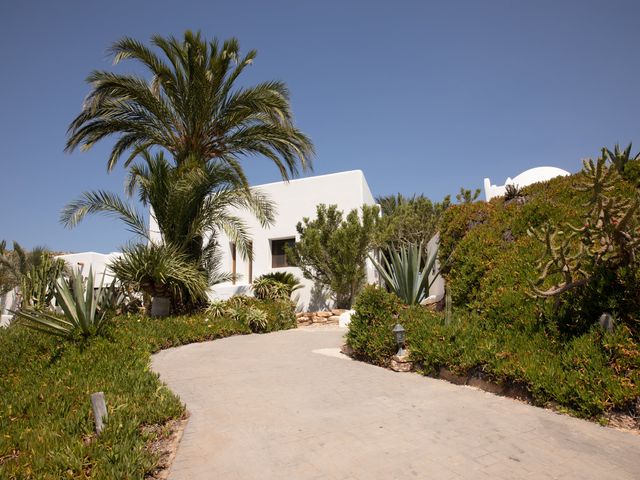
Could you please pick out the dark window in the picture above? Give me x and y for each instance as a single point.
(278, 253)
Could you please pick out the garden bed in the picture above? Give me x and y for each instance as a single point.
(45, 413)
(592, 376)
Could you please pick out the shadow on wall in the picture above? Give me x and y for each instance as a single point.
(320, 299)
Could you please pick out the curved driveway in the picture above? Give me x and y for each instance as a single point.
(287, 406)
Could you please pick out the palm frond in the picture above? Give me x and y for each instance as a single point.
(105, 203)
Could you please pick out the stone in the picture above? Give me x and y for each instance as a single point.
(401, 363)
(335, 319)
(345, 318)
(485, 385)
(337, 311)
(347, 350)
(323, 314)
(606, 322)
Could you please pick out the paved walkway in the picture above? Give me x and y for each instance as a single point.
(269, 407)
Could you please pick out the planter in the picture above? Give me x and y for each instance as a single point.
(160, 306)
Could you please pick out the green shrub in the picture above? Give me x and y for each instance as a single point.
(261, 316)
(370, 331)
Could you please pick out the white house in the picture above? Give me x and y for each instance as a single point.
(528, 177)
(98, 262)
(294, 200)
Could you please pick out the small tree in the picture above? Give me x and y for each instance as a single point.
(333, 250)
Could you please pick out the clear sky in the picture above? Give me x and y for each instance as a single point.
(424, 97)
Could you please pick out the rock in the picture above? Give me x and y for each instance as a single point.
(401, 363)
(338, 311)
(323, 314)
(507, 236)
(606, 322)
(334, 319)
(347, 350)
(345, 318)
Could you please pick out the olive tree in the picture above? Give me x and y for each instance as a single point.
(333, 249)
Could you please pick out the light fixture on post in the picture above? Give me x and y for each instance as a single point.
(399, 332)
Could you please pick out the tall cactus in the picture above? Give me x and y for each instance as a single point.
(608, 237)
(38, 284)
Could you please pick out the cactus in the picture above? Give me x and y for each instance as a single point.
(37, 285)
(608, 237)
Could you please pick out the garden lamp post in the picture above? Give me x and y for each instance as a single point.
(399, 332)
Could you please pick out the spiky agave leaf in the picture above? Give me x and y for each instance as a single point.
(78, 300)
(403, 275)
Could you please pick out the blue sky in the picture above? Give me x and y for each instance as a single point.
(424, 97)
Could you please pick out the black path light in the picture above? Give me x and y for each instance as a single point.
(399, 332)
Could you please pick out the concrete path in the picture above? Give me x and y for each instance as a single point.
(269, 407)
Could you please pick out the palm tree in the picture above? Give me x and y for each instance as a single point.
(190, 108)
(191, 203)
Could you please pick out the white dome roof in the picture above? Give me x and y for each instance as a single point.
(538, 174)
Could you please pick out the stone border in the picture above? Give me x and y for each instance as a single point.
(327, 317)
(480, 380)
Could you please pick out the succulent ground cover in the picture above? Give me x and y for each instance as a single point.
(46, 424)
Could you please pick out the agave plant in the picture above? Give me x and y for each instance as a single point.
(79, 302)
(404, 274)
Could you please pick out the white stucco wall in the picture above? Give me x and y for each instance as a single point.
(294, 200)
(97, 261)
(528, 177)
(8, 301)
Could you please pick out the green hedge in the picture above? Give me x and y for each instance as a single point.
(46, 426)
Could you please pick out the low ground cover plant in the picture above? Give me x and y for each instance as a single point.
(45, 383)
(588, 375)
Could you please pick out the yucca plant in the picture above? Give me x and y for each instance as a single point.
(270, 287)
(78, 300)
(404, 274)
